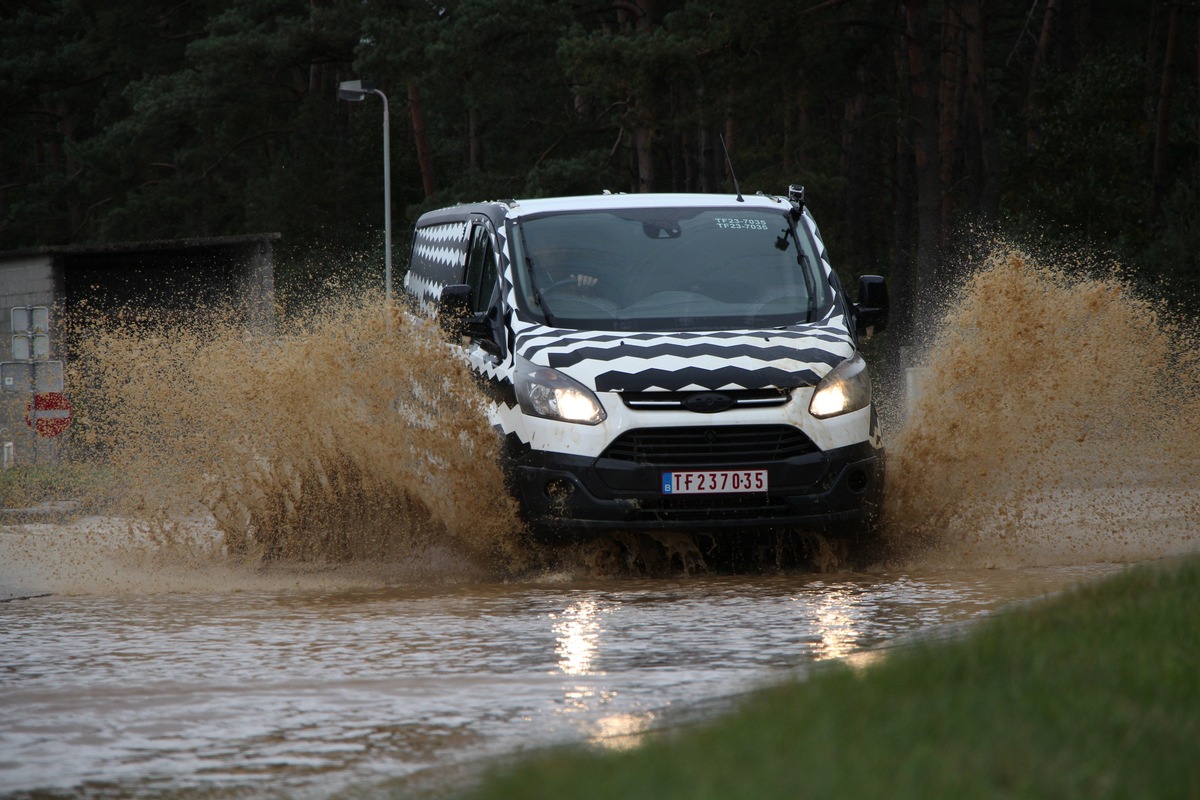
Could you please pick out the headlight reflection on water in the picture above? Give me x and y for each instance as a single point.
(835, 615)
(579, 633)
(578, 630)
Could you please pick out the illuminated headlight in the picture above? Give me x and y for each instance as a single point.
(846, 388)
(546, 392)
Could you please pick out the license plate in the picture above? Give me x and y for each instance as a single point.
(714, 481)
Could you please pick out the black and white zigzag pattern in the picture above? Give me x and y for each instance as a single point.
(688, 361)
(439, 257)
(617, 361)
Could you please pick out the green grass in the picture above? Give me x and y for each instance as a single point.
(28, 485)
(1095, 693)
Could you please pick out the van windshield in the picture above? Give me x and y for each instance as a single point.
(667, 269)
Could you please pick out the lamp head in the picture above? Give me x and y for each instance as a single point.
(355, 91)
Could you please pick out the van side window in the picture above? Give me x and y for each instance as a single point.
(481, 267)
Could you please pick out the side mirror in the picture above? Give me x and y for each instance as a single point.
(455, 317)
(871, 310)
(454, 308)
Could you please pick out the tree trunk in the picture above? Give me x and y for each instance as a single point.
(711, 163)
(950, 110)
(1035, 70)
(1162, 127)
(856, 198)
(802, 128)
(901, 289)
(988, 202)
(925, 152)
(1083, 28)
(727, 152)
(643, 133)
(1149, 84)
(65, 157)
(900, 334)
(474, 141)
(421, 138)
(642, 139)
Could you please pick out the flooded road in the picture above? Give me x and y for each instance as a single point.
(314, 691)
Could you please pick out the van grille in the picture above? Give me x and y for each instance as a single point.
(710, 446)
(674, 401)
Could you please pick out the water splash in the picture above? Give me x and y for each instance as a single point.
(1054, 427)
(352, 434)
(1054, 424)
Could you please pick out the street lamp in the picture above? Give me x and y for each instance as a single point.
(356, 92)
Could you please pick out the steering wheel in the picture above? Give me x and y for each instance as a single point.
(578, 280)
(562, 283)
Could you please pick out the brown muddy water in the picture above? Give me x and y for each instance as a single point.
(303, 579)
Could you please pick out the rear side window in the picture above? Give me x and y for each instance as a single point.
(439, 252)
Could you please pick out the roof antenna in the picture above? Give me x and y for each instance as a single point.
(729, 163)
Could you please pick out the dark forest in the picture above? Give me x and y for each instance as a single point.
(913, 124)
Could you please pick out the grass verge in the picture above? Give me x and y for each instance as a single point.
(1094, 693)
(28, 485)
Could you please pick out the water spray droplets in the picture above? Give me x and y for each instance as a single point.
(1054, 418)
(352, 434)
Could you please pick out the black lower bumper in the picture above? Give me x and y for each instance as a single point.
(837, 492)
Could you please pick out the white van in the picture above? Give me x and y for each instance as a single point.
(662, 361)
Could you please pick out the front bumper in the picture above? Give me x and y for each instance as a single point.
(837, 492)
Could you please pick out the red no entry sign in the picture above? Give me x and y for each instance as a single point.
(49, 413)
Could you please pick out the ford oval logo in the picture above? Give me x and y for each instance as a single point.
(708, 402)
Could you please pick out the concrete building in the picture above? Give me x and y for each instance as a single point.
(157, 277)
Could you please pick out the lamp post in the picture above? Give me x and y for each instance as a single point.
(356, 92)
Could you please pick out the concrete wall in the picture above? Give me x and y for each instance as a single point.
(26, 281)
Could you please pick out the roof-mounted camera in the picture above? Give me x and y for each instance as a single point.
(796, 196)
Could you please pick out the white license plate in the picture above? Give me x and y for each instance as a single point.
(714, 481)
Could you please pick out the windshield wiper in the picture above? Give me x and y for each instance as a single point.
(537, 293)
(805, 270)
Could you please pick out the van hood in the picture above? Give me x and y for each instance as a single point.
(607, 361)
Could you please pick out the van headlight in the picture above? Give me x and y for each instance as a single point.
(846, 388)
(546, 392)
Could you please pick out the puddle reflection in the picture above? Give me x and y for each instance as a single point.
(622, 731)
(836, 615)
(301, 693)
(578, 630)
